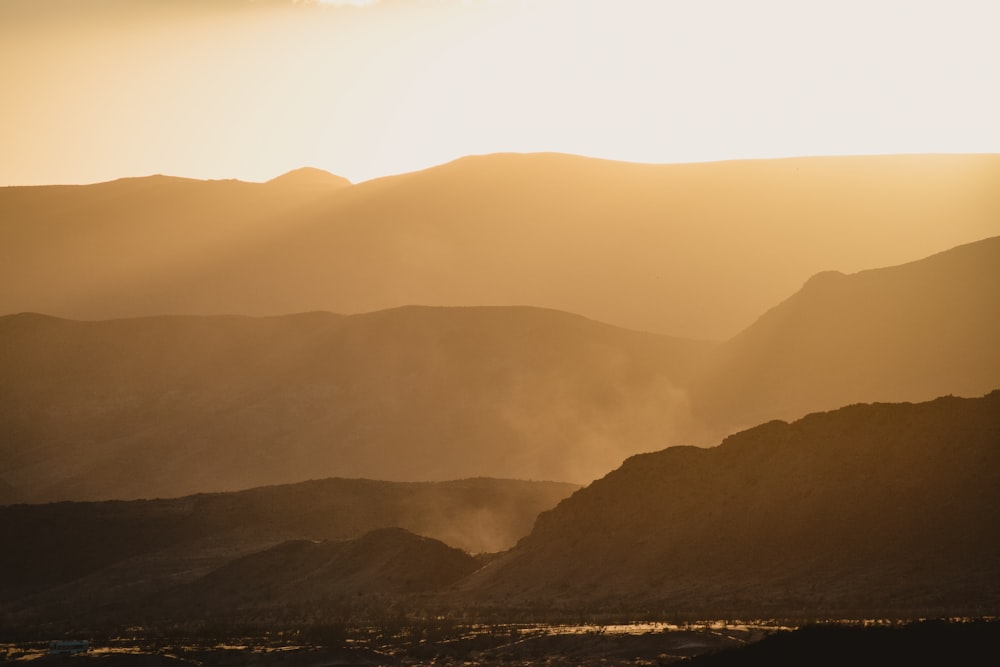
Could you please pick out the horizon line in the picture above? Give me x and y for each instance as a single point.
(776, 158)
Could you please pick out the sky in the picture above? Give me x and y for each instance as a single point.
(101, 89)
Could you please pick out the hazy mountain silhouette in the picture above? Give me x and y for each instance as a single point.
(869, 509)
(123, 551)
(173, 405)
(694, 250)
(904, 333)
(309, 177)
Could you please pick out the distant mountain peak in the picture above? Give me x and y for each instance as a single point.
(310, 177)
(823, 278)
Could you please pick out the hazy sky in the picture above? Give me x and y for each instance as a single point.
(99, 89)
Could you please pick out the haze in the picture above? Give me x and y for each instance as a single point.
(251, 89)
(407, 332)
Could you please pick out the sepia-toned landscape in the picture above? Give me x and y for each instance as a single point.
(527, 396)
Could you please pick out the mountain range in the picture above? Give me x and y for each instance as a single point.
(168, 406)
(882, 510)
(179, 355)
(696, 250)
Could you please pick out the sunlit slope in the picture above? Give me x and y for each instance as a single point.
(133, 246)
(903, 333)
(869, 509)
(171, 405)
(694, 250)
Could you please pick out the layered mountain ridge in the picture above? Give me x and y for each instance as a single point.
(693, 250)
(884, 510)
(885, 506)
(167, 406)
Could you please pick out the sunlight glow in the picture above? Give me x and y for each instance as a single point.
(367, 88)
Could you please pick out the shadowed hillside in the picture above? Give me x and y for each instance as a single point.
(122, 551)
(872, 510)
(866, 510)
(388, 561)
(166, 406)
(691, 250)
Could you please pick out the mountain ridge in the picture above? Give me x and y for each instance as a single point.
(867, 507)
(907, 332)
(171, 405)
(382, 562)
(114, 408)
(452, 234)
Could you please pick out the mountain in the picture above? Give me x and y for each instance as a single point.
(693, 250)
(123, 551)
(309, 177)
(902, 333)
(868, 509)
(388, 561)
(168, 406)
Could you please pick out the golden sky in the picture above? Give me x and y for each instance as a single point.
(100, 89)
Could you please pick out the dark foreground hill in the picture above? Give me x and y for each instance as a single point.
(935, 643)
(872, 510)
(869, 509)
(76, 556)
(696, 250)
(385, 562)
(167, 406)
